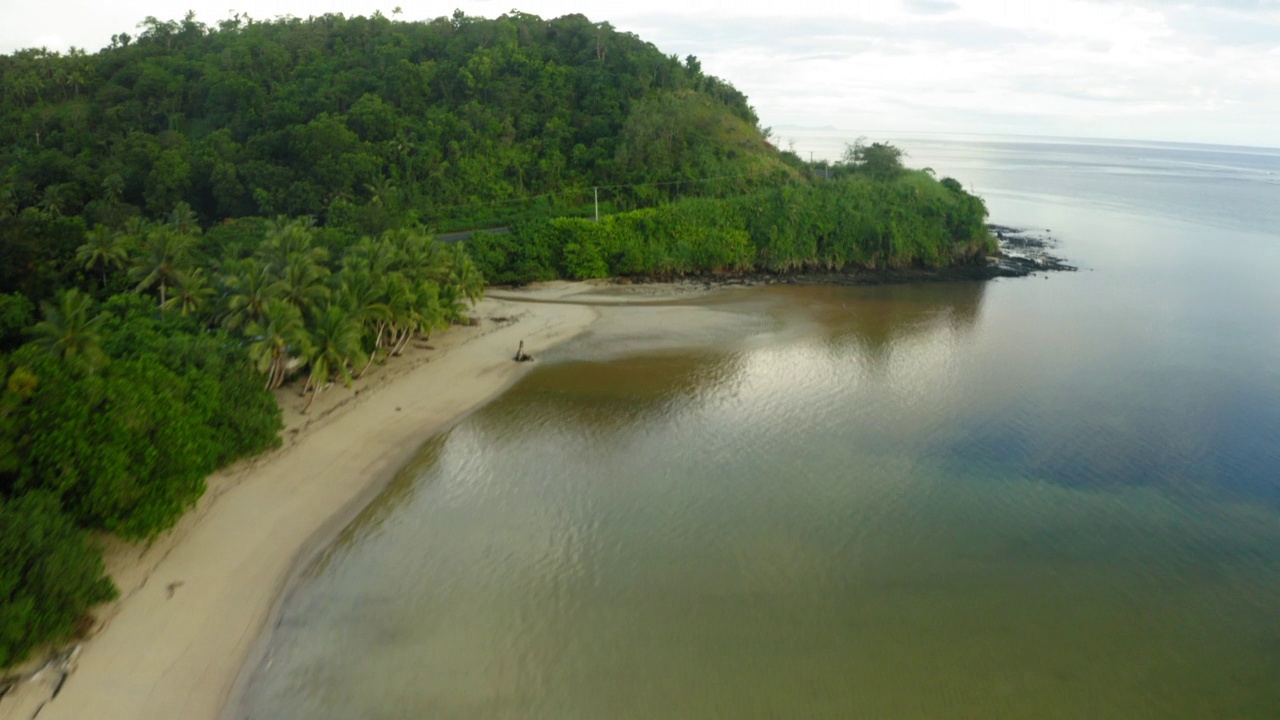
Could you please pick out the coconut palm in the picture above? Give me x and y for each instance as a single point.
(449, 300)
(372, 255)
(420, 254)
(104, 250)
(381, 192)
(165, 255)
(361, 293)
(113, 188)
(135, 230)
(55, 199)
(401, 300)
(69, 330)
(302, 283)
(466, 275)
(191, 293)
(287, 239)
(249, 286)
(279, 336)
(430, 313)
(334, 344)
(183, 219)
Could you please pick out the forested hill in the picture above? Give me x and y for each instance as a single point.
(327, 116)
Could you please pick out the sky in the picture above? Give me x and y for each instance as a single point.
(1187, 71)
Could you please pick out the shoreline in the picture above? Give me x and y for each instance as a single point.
(195, 603)
(1022, 253)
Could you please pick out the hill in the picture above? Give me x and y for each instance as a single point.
(366, 123)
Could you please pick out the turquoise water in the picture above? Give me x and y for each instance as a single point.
(1037, 498)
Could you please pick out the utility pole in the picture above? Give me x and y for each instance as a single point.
(597, 190)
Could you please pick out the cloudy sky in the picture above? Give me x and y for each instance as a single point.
(1196, 70)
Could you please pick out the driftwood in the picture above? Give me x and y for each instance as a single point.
(521, 356)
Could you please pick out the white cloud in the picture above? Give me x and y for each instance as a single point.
(1151, 69)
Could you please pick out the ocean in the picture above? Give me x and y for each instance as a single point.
(1046, 497)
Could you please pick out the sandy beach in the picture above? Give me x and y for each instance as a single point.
(195, 601)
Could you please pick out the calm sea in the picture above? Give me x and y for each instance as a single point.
(1050, 497)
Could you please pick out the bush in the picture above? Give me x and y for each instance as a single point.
(50, 576)
(126, 449)
(860, 221)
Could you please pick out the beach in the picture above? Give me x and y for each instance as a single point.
(195, 601)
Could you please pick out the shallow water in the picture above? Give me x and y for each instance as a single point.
(1048, 498)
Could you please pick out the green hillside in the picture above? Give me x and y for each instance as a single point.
(364, 123)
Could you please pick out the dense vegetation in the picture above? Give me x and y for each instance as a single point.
(191, 217)
(870, 213)
(363, 123)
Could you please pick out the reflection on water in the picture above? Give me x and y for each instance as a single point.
(910, 501)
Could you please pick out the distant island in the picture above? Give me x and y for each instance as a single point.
(195, 216)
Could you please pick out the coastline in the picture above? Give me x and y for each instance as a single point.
(194, 602)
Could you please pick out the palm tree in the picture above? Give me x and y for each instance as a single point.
(375, 256)
(302, 283)
(164, 257)
(449, 300)
(466, 275)
(135, 230)
(431, 312)
(288, 238)
(191, 293)
(69, 332)
(279, 335)
(103, 249)
(249, 287)
(183, 219)
(113, 188)
(335, 343)
(361, 293)
(401, 300)
(381, 192)
(54, 200)
(418, 254)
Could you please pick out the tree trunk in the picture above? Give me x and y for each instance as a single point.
(408, 335)
(377, 341)
(314, 393)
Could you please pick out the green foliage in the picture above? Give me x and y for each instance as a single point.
(16, 315)
(37, 250)
(362, 123)
(334, 347)
(858, 221)
(126, 449)
(527, 253)
(692, 144)
(880, 161)
(50, 576)
(69, 330)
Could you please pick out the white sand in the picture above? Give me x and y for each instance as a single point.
(195, 601)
